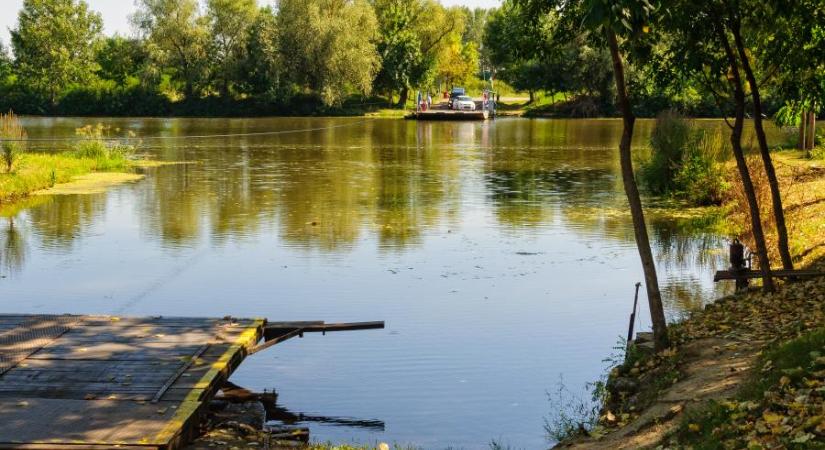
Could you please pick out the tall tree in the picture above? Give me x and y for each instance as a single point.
(54, 44)
(794, 47)
(5, 62)
(627, 19)
(261, 68)
(177, 39)
(457, 61)
(329, 45)
(399, 45)
(412, 37)
(701, 43)
(120, 58)
(735, 10)
(230, 22)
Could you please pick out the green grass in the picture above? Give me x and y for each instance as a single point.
(37, 171)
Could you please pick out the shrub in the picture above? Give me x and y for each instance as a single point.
(669, 141)
(10, 128)
(701, 179)
(685, 162)
(95, 144)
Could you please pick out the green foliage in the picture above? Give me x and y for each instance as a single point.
(107, 154)
(685, 162)
(700, 179)
(177, 39)
(120, 59)
(669, 141)
(55, 44)
(261, 67)
(11, 153)
(229, 24)
(403, 64)
(11, 129)
(5, 63)
(573, 414)
(329, 46)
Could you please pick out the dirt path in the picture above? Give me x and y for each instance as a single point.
(712, 369)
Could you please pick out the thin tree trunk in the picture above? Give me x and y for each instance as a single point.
(402, 99)
(654, 296)
(764, 150)
(742, 165)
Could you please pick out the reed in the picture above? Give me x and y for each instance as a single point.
(13, 137)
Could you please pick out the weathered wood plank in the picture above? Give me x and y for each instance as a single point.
(745, 274)
(45, 421)
(93, 387)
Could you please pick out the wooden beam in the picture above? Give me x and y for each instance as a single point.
(273, 332)
(277, 340)
(351, 326)
(276, 334)
(744, 274)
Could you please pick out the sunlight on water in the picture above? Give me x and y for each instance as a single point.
(500, 254)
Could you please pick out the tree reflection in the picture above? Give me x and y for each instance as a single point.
(13, 247)
(60, 221)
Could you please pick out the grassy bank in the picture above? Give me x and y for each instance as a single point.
(746, 371)
(38, 171)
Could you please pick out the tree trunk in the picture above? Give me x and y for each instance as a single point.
(742, 164)
(402, 99)
(532, 97)
(764, 150)
(654, 297)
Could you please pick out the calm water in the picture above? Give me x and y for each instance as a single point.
(500, 255)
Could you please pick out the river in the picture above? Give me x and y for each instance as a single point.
(500, 254)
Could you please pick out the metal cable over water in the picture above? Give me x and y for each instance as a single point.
(197, 136)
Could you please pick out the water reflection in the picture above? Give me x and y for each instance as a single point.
(500, 253)
(61, 220)
(13, 247)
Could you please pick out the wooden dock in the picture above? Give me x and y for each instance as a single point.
(100, 382)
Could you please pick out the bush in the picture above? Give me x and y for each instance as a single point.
(701, 178)
(107, 155)
(10, 128)
(685, 162)
(669, 142)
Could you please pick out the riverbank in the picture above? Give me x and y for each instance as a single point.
(45, 172)
(748, 370)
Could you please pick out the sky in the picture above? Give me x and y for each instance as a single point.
(116, 13)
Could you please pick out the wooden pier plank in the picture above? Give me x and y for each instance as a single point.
(63, 421)
(92, 386)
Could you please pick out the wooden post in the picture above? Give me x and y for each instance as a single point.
(803, 122)
(811, 128)
(633, 315)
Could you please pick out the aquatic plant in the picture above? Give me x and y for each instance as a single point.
(685, 162)
(97, 144)
(12, 129)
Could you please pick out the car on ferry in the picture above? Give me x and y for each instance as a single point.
(464, 103)
(454, 94)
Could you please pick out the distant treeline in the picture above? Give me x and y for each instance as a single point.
(232, 57)
(304, 57)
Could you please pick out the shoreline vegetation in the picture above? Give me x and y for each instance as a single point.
(747, 371)
(87, 165)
